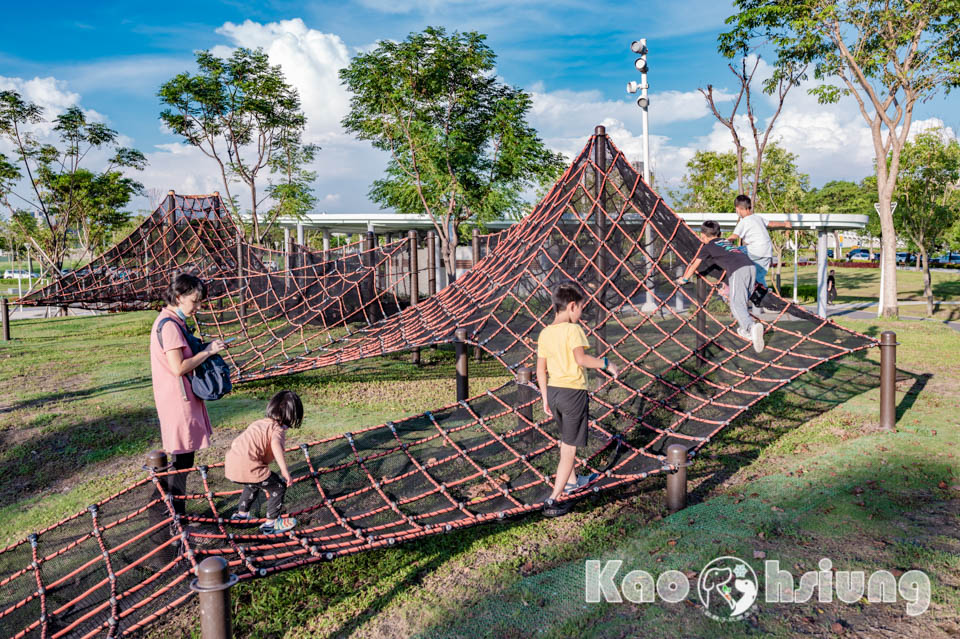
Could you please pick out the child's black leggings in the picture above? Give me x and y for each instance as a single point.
(273, 486)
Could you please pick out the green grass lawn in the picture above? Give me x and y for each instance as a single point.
(805, 475)
(860, 284)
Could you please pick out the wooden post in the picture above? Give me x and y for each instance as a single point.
(677, 480)
(888, 380)
(241, 303)
(414, 282)
(463, 373)
(213, 584)
(600, 159)
(525, 395)
(5, 312)
(431, 263)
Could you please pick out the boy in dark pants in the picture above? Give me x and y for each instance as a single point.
(738, 272)
(563, 385)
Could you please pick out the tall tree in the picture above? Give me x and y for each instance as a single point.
(927, 195)
(887, 54)
(241, 113)
(48, 191)
(459, 143)
(786, 75)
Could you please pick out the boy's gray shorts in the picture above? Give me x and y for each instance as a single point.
(570, 407)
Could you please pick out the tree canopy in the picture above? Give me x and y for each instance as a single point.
(47, 189)
(242, 113)
(460, 147)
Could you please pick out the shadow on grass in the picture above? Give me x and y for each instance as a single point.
(889, 522)
(141, 381)
(30, 458)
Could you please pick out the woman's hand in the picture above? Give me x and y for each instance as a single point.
(613, 369)
(546, 406)
(215, 347)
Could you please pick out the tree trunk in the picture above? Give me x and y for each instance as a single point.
(927, 288)
(255, 231)
(888, 251)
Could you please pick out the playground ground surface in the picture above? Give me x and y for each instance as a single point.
(805, 475)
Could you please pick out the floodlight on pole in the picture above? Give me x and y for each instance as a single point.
(640, 48)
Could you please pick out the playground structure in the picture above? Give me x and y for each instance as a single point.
(685, 375)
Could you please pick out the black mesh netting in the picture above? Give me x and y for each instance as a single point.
(685, 374)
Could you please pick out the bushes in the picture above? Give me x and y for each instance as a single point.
(805, 292)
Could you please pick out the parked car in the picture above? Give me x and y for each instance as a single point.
(19, 274)
(943, 260)
(904, 257)
(859, 255)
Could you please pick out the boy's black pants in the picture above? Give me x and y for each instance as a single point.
(273, 486)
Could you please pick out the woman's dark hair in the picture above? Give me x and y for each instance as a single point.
(286, 409)
(566, 293)
(184, 284)
(710, 228)
(742, 202)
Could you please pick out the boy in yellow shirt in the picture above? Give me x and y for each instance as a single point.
(563, 385)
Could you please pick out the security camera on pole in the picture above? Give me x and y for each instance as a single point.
(640, 47)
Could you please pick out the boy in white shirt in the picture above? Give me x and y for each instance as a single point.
(752, 232)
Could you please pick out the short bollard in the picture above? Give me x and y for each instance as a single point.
(524, 396)
(158, 513)
(888, 380)
(5, 311)
(463, 379)
(213, 584)
(677, 480)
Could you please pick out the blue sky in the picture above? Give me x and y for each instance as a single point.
(573, 56)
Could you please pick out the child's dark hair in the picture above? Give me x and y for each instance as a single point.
(184, 284)
(286, 409)
(566, 293)
(710, 228)
(742, 202)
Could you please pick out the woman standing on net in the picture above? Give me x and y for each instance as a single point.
(184, 423)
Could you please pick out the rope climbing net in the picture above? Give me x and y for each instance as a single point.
(685, 375)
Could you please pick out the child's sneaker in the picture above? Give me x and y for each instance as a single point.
(756, 336)
(580, 482)
(553, 509)
(278, 525)
(239, 516)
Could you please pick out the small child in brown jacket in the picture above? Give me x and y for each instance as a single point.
(249, 457)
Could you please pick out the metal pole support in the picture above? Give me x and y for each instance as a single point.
(701, 311)
(158, 513)
(5, 312)
(213, 584)
(888, 380)
(463, 374)
(524, 396)
(475, 243)
(431, 263)
(414, 282)
(677, 480)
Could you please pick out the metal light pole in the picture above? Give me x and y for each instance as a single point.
(640, 47)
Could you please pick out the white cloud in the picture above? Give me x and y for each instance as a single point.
(52, 96)
(577, 112)
(310, 60)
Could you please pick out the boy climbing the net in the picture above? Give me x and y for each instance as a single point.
(737, 272)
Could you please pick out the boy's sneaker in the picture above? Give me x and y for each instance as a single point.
(239, 516)
(580, 482)
(756, 335)
(554, 509)
(278, 525)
